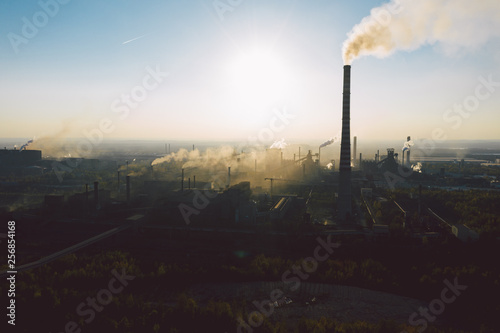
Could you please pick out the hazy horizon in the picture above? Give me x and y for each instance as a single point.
(196, 72)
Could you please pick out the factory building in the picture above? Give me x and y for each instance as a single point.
(13, 158)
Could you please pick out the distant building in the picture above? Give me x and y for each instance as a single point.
(13, 158)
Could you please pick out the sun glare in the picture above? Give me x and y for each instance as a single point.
(259, 77)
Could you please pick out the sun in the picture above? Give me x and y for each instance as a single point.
(259, 77)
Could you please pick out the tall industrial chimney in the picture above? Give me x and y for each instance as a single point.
(128, 189)
(182, 181)
(228, 177)
(87, 196)
(96, 195)
(354, 148)
(344, 200)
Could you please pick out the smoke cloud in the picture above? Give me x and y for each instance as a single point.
(409, 24)
(327, 143)
(407, 145)
(280, 144)
(213, 157)
(417, 167)
(26, 144)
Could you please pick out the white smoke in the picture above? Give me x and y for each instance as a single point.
(194, 158)
(211, 159)
(407, 145)
(26, 144)
(280, 144)
(417, 167)
(409, 24)
(327, 143)
(329, 166)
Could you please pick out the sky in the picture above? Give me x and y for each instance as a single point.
(265, 69)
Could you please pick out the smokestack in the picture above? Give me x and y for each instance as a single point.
(378, 155)
(189, 183)
(344, 201)
(228, 177)
(194, 181)
(408, 158)
(87, 196)
(193, 147)
(96, 195)
(354, 148)
(419, 200)
(182, 181)
(360, 160)
(128, 188)
(403, 159)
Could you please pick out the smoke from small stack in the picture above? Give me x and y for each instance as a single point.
(417, 167)
(409, 24)
(26, 145)
(327, 143)
(280, 144)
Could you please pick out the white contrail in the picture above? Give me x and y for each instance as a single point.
(131, 40)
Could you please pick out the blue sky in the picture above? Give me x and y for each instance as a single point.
(227, 76)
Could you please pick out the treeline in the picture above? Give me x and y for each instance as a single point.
(155, 299)
(477, 209)
(469, 169)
